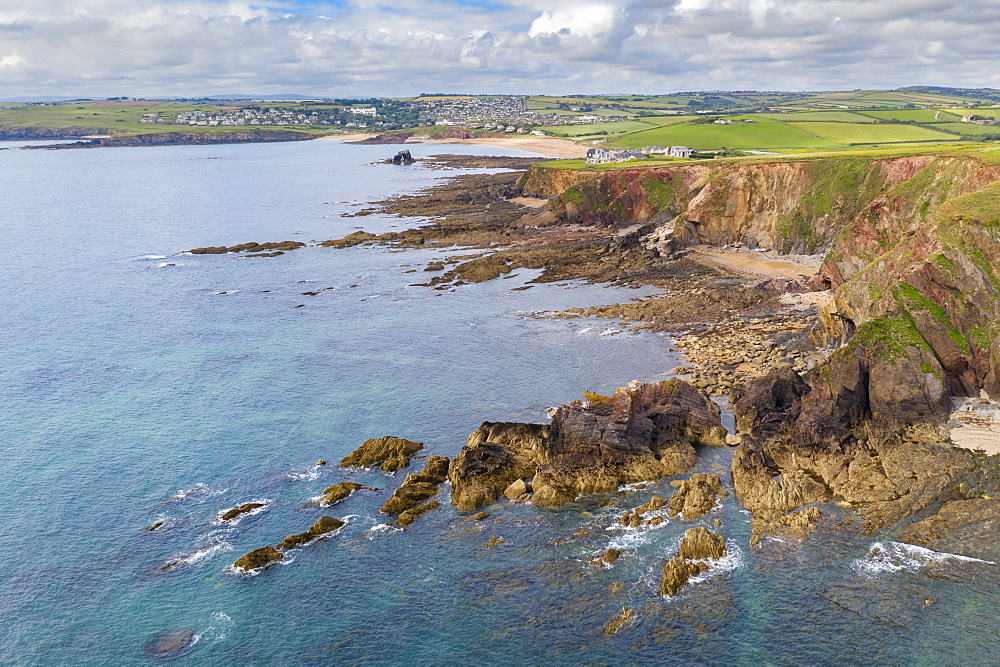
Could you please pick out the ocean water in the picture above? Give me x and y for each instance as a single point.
(142, 384)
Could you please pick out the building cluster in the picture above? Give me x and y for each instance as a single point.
(608, 156)
(979, 121)
(247, 117)
(497, 113)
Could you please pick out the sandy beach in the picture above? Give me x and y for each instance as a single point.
(548, 146)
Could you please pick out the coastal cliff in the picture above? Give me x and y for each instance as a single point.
(912, 256)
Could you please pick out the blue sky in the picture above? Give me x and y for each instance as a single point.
(403, 47)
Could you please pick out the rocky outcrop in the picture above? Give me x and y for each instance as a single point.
(258, 558)
(388, 452)
(968, 526)
(415, 489)
(834, 436)
(337, 492)
(695, 496)
(698, 546)
(248, 247)
(636, 518)
(323, 525)
(642, 432)
(239, 510)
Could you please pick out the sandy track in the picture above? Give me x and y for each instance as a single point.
(747, 264)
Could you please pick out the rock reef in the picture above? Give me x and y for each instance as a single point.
(415, 489)
(643, 432)
(388, 452)
(323, 525)
(697, 546)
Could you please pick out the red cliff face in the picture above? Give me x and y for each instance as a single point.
(911, 240)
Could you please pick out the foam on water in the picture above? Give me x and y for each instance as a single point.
(308, 475)
(200, 492)
(892, 557)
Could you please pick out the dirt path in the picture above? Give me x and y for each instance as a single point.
(748, 264)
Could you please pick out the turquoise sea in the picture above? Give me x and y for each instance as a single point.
(141, 384)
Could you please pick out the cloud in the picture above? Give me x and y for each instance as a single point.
(402, 47)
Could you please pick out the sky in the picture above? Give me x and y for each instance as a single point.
(354, 48)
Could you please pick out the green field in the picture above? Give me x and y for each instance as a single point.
(970, 129)
(615, 127)
(830, 116)
(872, 133)
(916, 115)
(764, 134)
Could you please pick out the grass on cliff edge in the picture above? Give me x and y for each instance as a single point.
(989, 154)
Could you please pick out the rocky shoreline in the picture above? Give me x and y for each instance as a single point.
(840, 397)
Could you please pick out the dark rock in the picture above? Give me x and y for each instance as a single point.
(258, 558)
(402, 157)
(248, 247)
(391, 452)
(156, 526)
(478, 516)
(642, 432)
(168, 642)
(323, 525)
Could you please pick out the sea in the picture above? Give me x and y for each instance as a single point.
(141, 384)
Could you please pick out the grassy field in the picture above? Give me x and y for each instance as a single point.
(916, 115)
(764, 135)
(871, 133)
(615, 127)
(827, 116)
(970, 129)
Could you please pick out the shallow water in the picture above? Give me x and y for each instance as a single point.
(142, 385)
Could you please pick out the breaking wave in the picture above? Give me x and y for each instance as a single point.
(899, 556)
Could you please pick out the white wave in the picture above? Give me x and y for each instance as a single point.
(227, 292)
(205, 552)
(381, 528)
(634, 486)
(899, 556)
(308, 475)
(162, 265)
(199, 491)
(154, 257)
(264, 504)
(731, 561)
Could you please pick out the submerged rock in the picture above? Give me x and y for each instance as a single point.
(698, 545)
(696, 495)
(606, 558)
(634, 517)
(258, 558)
(168, 642)
(409, 516)
(323, 525)
(389, 452)
(641, 433)
(623, 617)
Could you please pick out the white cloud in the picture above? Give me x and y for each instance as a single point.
(398, 47)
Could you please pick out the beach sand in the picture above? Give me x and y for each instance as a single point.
(975, 424)
(548, 146)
